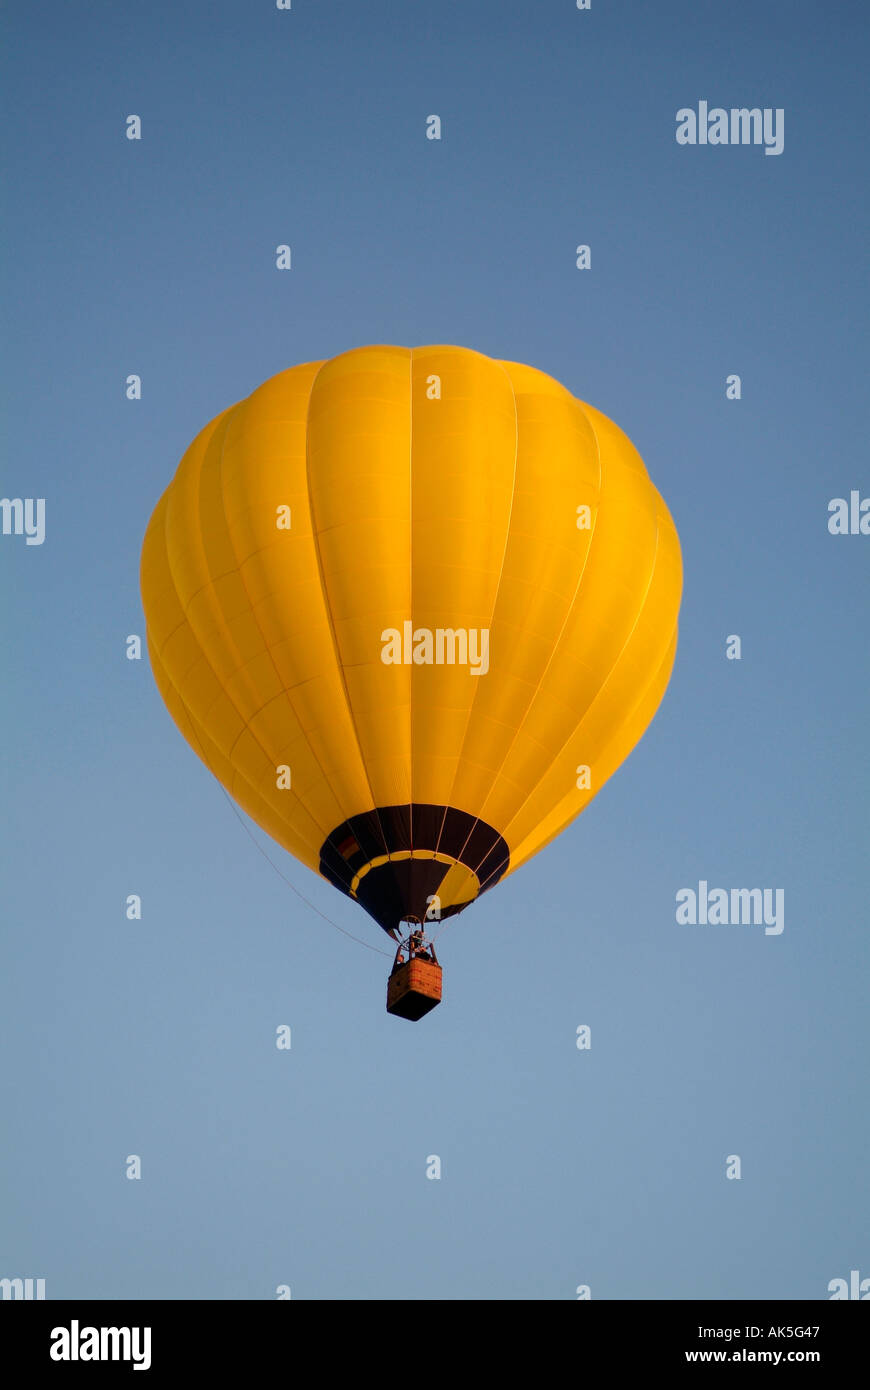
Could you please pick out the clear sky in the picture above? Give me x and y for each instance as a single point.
(560, 1167)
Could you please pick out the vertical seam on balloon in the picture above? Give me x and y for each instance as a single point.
(639, 701)
(603, 686)
(234, 808)
(194, 720)
(340, 669)
(284, 691)
(230, 643)
(411, 666)
(202, 738)
(494, 600)
(555, 649)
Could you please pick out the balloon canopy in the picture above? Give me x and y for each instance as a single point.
(412, 607)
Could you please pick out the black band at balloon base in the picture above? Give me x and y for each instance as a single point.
(400, 889)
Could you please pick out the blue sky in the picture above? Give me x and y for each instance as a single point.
(559, 1167)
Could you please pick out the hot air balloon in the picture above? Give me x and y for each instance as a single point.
(412, 607)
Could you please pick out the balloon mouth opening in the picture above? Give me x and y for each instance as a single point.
(415, 863)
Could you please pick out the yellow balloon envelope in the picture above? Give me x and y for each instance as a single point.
(412, 607)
